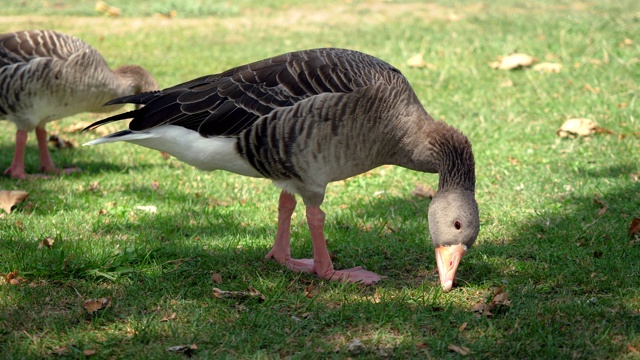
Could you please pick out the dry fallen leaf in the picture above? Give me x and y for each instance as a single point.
(12, 278)
(513, 61)
(548, 67)
(114, 11)
(93, 305)
(101, 7)
(60, 143)
(216, 278)
(577, 127)
(8, 198)
(168, 317)
(634, 227)
(239, 295)
(355, 346)
(60, 350)
(499, 302)
(89, 352)
(417, 61)
(46, 242)
(603, 206)
(462, 327)
(94, 186)
(423, 191)
(310, 291)
(462, 350)
(506, 83)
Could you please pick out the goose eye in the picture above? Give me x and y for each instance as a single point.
(457, 225)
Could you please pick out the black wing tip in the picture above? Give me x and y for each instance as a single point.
(139, 99)
(123, 116)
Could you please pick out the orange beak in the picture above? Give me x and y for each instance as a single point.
(448, 259)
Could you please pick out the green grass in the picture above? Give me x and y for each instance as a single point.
(572, 276)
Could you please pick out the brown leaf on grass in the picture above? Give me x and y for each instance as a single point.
(603, 210)
(216, 278)
(513, 61)
(8, 198)
(239, 295)
(634, 227)
(501, 299)
(12, 278)
(168, 317)
(60, 143)
(60, 350)
(155, 185)
(101, 7)
(514, 161)
(506, 83)
(310, 291)
(603, 207)
(93, 305)
(46, 242)
(113, 11)
(548, 67)
(89, 352)
(577, 127)
(423, 191)
(355, 347)
(417, 60)
(499, 302)
(462, 350)
(591, 89)
(462, 327)
(94, 186)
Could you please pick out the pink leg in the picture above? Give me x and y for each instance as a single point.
(281, 251)
(46, 164)
(16, 170)
(322, 264)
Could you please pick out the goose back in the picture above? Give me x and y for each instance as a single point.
(45, 75)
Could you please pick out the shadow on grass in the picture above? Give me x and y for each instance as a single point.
(567, 270)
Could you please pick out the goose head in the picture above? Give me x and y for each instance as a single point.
(454, 225)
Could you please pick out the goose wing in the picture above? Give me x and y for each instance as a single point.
(24, 46)
(225, 104)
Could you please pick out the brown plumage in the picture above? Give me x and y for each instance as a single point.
(305, 119)
(45, 76)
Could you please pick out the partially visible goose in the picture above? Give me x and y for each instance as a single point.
(45, 76)
(304, 119)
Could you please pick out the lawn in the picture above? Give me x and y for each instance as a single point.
(554, 272)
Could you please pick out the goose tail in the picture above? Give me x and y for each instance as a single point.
(124, 135)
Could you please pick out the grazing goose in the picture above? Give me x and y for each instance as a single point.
(45, 75)
(305, 119)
